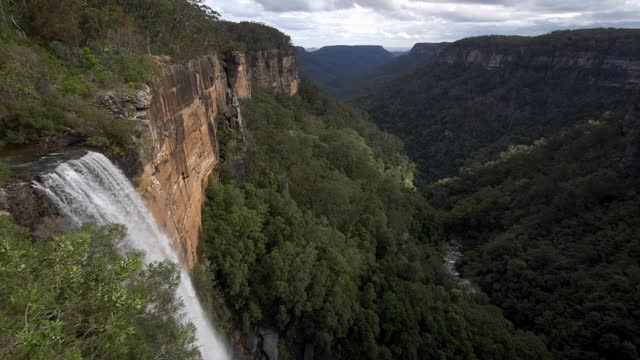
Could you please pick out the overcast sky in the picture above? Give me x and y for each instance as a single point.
(401, 23)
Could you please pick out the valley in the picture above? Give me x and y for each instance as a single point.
(176, 185)
(525, 151)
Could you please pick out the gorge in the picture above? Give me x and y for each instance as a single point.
(173, 186)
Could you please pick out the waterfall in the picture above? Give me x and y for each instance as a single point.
(92, 189)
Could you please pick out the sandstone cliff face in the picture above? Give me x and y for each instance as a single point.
(278, 73)
(605, 69)
(179, 146)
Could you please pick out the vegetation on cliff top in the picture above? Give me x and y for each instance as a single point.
(75, 296)
(608, 42)
(317, 231)
(56, 55)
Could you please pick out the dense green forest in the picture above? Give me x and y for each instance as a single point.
(75, 296)
(453, 115)
(56, 55)
(318, 232)
(313, 225)
(552, 234)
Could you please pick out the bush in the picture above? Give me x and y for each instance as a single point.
(5, 172)
(74, 296)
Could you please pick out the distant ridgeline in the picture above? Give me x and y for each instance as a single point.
(473, 98)
(335, 67)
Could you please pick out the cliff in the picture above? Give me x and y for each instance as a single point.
(604, 56)
(280, 74)
(179, 145)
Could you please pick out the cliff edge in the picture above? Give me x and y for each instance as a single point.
(179, 144)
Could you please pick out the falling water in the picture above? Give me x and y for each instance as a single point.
(92, 189)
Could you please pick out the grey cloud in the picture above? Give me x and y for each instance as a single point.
(403, 22)
(536, 5)
(314, 5)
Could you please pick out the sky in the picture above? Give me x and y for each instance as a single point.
(402, 23)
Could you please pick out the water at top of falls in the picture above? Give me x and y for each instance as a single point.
(93, 190)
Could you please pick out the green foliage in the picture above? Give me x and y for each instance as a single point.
(60, 53)
(134, 69)
(551, 232)
(319, 233)
(182, 29)
(251, 36)
(88, 60)
(75, 297)
(43, 94)
(5, 172)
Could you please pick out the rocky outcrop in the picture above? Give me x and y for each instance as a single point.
(269, 343)
(178, 143)
(631, 125)
(275, 72)
(260, 345)
(239, 75)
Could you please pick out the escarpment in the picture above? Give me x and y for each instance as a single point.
(273, 72)
(179, 145)
(601, 68)
(609, 61)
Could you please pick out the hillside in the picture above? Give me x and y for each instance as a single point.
(317, 234)
(334, 67)
(309, 238)
(480, 95)
(550, 232)
(528, 157)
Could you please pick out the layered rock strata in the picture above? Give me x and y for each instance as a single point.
(179, 145)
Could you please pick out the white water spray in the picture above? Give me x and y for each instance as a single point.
(92, 189)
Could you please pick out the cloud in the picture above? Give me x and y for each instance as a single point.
(398, 23)
(327, 5)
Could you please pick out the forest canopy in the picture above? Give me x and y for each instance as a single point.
(551, 233)
(316, 230)
(74, 296)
